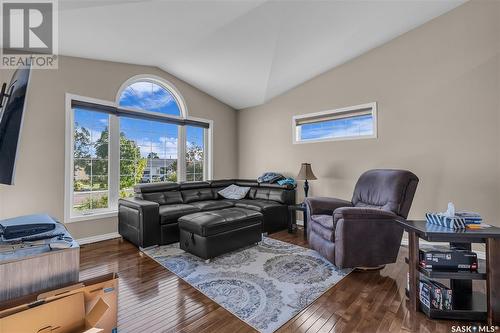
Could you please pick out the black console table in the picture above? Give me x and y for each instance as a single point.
(467, 304)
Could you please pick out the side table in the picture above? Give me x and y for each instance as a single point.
(468, 304)
(292, 210)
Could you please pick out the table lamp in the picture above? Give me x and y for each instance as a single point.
(306, 174)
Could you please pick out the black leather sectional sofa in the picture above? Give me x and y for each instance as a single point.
(151, 216)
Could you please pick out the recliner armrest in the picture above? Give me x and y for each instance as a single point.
(361, 213)
(365, 236)
(325, 205)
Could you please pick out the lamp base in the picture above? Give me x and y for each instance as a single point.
(306, 188)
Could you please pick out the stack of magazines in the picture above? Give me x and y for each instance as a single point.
(469, 217)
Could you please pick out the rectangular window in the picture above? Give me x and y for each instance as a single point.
(356, 122)
(148, 153)
(90, 162)
(195, 153)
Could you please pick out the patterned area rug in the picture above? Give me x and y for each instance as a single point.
(264, 285)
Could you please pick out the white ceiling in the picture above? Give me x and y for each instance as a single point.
(241, 52)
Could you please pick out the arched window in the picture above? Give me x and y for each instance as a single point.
(151, 96)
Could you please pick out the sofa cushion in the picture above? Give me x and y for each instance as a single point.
(170, 213)
(216, 222)
(257, 205)
(234, 192)
(198, 195)
(273, 194)
(323, 225)
(212, 204)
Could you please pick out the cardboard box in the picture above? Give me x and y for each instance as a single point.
(90, 306)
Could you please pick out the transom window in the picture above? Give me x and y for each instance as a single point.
(355, 122)
(149, 96)
(145, 137)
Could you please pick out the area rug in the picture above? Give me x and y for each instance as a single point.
(264, 285)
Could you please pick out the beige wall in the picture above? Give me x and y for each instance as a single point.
(437, 89)
(39, 182)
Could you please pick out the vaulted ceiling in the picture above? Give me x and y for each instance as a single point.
(241, 52)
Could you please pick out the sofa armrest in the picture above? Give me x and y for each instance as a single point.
(365, 237)
(325, 205)
(139, 221)
(138, 203)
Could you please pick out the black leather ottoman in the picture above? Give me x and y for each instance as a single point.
(210, 234)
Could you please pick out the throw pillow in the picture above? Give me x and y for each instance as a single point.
(234, 192)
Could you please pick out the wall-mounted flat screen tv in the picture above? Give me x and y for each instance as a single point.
(13, 101)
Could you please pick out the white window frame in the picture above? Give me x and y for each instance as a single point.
(342, 112)
(114, 148)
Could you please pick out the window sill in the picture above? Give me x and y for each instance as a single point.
(94, 216)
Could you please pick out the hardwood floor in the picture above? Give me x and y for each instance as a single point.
(152, 299)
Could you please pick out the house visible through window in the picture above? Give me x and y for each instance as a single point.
(144, 138)
(148, 153)
(348, 123)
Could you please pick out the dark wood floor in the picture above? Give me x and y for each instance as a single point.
(152, 299)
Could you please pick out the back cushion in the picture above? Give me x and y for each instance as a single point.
(157, 197)
(390, 190)
(198, 195)
(164, 198)
(268, 194)
(173, 197)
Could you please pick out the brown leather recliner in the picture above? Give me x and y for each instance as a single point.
(362, 232)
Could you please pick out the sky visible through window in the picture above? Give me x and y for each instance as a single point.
(150, 136)
(338, 128)
(149, 96)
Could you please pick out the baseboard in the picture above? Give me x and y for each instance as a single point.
(98, 238)
(477, 248)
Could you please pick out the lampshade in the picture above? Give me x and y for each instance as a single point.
(306, 172)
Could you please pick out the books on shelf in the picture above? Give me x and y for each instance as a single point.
(435, 295)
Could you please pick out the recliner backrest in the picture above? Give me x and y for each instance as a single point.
(386, 189)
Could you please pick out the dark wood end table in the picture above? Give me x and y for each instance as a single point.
(292, 210)
(467, 304)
